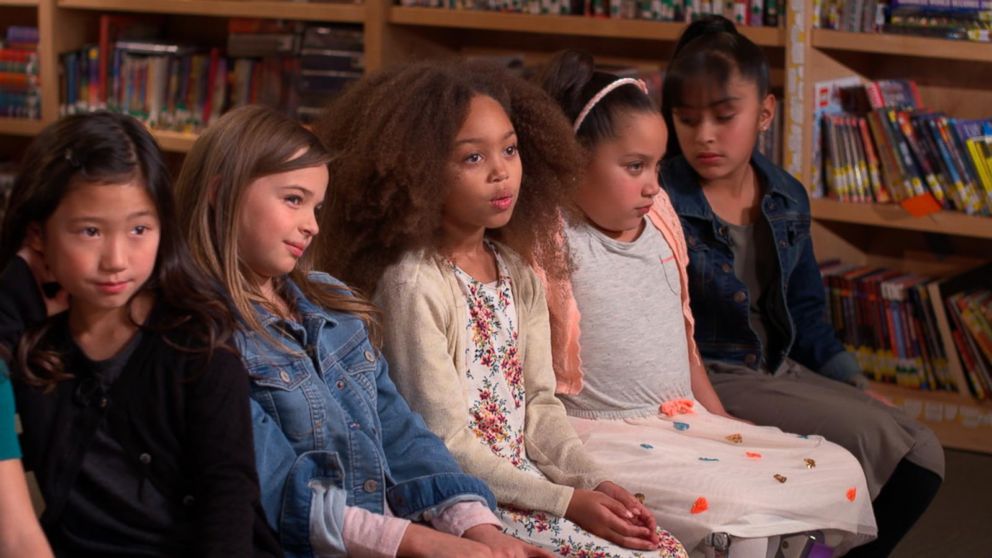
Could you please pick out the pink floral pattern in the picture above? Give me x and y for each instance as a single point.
(497, 405)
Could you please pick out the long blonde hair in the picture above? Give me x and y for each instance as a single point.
(244, 145)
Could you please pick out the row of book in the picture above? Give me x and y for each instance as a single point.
(183, 87)
(912, 330)
(8, 172)
(20, 86)
(947, 19)
(744, 12)
(877, 143)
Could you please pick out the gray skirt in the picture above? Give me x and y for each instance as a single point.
(798, 400)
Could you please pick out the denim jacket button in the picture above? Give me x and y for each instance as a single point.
(740, 296)
(369, 356)
(750, 359)
(726, 268)
(145, 458)
(783, 243)
(188, 500)
(370, 485)
(284, 376)
(355, 426)
(339, 384)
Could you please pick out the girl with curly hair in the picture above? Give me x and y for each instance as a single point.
(345, 467)
(447, 188)
(635, 387)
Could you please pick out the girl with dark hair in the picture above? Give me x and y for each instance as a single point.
(136, 417)
(629, 372)
(757, 293)
(442, 197)
(346, 468)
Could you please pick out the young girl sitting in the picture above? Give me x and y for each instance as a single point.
(136, 418)
(756, 288)
(345, 466)
(433, 188)
(628, 369)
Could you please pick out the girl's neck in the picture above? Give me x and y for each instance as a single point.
(102, 332)
(467, 250)
(735, 197)
(276, 301)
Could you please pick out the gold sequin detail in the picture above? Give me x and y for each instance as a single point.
(735, 438)
(780, 478)
(810, 463)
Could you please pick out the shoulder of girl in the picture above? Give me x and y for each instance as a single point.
(324, 279)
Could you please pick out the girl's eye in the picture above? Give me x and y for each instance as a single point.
(473, 158)
(90, 231)
(140, 230)
(685, 120)
(634, 168)
(294, 200)
(725, 117)
(511, 150)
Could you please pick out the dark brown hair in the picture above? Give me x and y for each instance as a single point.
(244, 145)
(392, 136)
(109, 148)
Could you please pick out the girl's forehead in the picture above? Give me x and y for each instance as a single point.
(702, 91)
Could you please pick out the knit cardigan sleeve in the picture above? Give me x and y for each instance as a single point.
(421, 332)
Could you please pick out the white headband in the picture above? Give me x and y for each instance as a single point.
(604, 92)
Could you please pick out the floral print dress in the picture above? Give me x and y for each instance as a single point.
(496, 408)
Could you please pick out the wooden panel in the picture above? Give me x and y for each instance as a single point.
(959, 421)
(344, 12)
(902, 45)
(20, 126)
(893, 216)
(174, 141)
(562, 25)
(18, 3)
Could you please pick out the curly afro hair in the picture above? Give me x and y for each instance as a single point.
(392, 135)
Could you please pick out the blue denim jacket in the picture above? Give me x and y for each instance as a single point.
(332, 431)
(795, 310)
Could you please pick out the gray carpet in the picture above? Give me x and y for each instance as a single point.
(959, 522)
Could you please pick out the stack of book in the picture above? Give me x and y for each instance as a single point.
(946, 19)
(744, 12)
(8, 172)
(877, 143)
(912, 330)
(184, 87)
(20, 93)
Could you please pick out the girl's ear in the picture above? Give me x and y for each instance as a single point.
(766, 113)
(34, 239)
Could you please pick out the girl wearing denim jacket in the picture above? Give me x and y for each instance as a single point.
(441, 218)
(345, 467)
(628, 370)
(757, 293)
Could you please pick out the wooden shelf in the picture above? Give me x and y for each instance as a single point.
(20, 126)
(180, 142)
(894, 217)
(340, 12)
(562, 25)
(960, 422)
(902, 45)
(19, 3)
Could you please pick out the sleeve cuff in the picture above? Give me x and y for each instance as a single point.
(371, 535)
(842, 367)
(461, 517)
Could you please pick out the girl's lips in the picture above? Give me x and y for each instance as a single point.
(111, 287)
(503, 203)
(295, 249)
(643, 210)
(708, 158)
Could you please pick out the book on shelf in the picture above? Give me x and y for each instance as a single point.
(877, 143)
(20, 82)
(912, 330)
(946, 19)
(184, 87)
(763, 13)
(8, 173)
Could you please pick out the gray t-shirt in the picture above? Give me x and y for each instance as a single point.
(754, 265)
(634, 350)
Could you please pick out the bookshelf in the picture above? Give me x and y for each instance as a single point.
(953, 76)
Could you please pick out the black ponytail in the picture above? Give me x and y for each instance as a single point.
(710, 47)
(571, 79)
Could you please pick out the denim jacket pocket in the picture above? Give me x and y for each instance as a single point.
(700, 274)
(282, 386)
(358, 365)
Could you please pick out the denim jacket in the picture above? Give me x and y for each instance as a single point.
(332, 431)
(795, 307)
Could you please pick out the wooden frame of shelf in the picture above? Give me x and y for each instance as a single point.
(337, 12)
(21, 126)
(902, 45)
(19, 3)
(562, 25)
(959, 421)
(894, 217)
(179, 142)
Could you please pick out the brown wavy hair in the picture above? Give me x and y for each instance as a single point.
(108, 148)
(244, 145)
(392, 134)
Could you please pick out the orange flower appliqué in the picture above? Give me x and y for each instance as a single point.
(852, 494)
(700, 505)
(677, 407)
